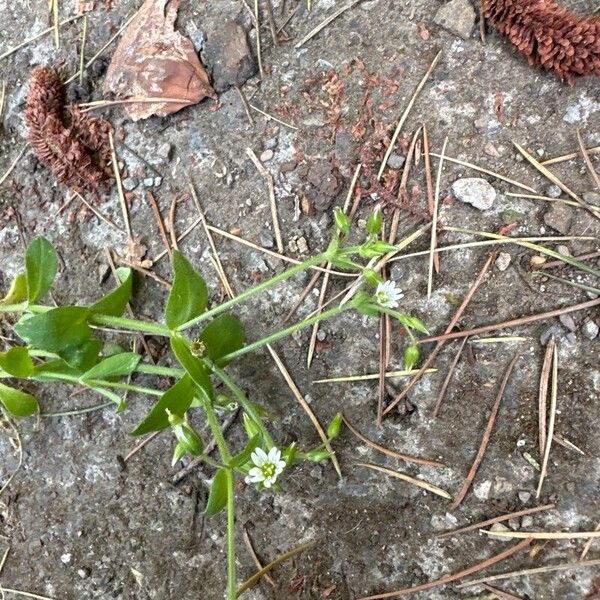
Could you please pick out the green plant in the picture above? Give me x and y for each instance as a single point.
(61, 345)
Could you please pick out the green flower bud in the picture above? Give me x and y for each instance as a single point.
(342, 222)
(317, 455)
(411, 357)
(289, 454)
(250, 426)
(375, 221)
(178, 453)
(372, 278)
(188, 438)
(333, 429)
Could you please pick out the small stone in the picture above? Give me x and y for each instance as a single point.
(266, 239)
(553, 191)
(559, 217)
(266, 155)
(564, 250)
(149, 181)
(164, 151)
(288, 166)
(592, 198)
(503, 261)
(157, 181)
(590, 329)
(527, 521)
(302, 245)
(524, 497)
(513, 524)
(457, 16)
(395, 161)
(321, 335)
(568, 322)
(129, 183)
(475, 191)
(83, 573)
(499, 527)
(66, 558)
(271, 143)
(552, 331)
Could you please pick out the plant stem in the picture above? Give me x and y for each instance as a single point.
(158, 370)
(231, 575)
(257, 289)
(326, 314)
(133, 324)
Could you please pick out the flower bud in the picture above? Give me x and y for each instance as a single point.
(317, 455)
(371, 277)
(411, 357)
(342, 222)
(375, 221)
(178, 453)
(333, 429)
(250, 426)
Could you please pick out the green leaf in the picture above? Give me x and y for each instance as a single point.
(17, 291)
(333, 429)
(41, 264)
(117, 365)
(239, 460)
(412, 322)
(58, 366)
(83, 356)
(222, 336)
(16, 402)
(56, 329)
(111, 396)
(193, 365)
(250, 426)
(217, 496)
(177, 399)
(188, 296)
(17, 362)
(115, 302)
(179, 452)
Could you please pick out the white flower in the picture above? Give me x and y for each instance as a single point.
(387, 294)
(267, 467)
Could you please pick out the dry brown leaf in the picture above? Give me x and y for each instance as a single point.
(153, 60)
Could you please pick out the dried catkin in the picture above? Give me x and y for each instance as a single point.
(78, 154)
(549, 35)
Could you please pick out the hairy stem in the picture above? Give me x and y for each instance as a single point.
(231, 575)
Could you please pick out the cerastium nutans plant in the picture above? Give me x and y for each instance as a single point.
(61, 344)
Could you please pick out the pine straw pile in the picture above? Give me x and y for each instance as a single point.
(73, 145)
(548, 35)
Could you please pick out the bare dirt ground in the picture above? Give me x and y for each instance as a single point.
(80, 527)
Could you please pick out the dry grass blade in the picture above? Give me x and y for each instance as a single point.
(588, 545)
(309, 286)
(565, 443)
(388, 451)
(19, 446)
(370, 376)
(2, 99)
(258, 40)
(571, 156)
(501, 593)
(486, 436)
(487, 172)
(406, 112)
(159, 222)
(121, 194)
(501, 339)
(513, 323)
(534, 571)
(255, 558)
(269, 179)
(26, 594)
(454, 576)
(13, 165)
(543, 535)
(37, 37)
(448, 378)
(272, 118)
(559, 200)
(88, 106)
(428, 177)
(588, 162)
(543, 394)
(435, 219)
(139, 446)
(500, 519)
(434, 489)
(551, 420)
(245, 104)
(98, 213)
(82, 50)
(321, 26)
(457, 316)
(55, 22)
(280, 559)
(558, 263)
(307, 409)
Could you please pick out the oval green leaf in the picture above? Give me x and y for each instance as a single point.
(217, 496)
(188, 296)
(239, 460)
(16, 402)
(83, 356)
(41, 264)
(17, 362)
(193, 365)
(222, 336)
(177, 399)
(56, 329)
(17, 291)
(115, 302)
(118, 365)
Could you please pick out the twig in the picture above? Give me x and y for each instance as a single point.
(272, 26)
(245, 104)
(88, 106)
(269, 179)
(428, 177)
(447, 380)
(26, 594)
(551, 420)
(146, 272)
(406, 112)
(326, 22)
(513, 322)
(534, 571)
(587, 160)
(501, 593)
(258, 41)
(172, 231)
(307, 409)
(123, 202)
(280, 559)
(457, 316)
(543, 535)
(370, 376)
(434, 489)
(559, 263)
(435, 219)
(13, 165)
(139, 446)
(2, 99)
(159, 222)
(82, 50)
(271, 117)
(255, 558)
(454, 576)
(54, 7)
(543, 393)
(571, 156)
(388, 451)
(588, 545)
(565, 443)
(37, 37)
(486, 436)
(97, 212)
(500, 519)
(309, 286)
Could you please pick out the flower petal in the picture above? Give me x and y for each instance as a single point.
(274, 455)
(259, 457)
(268, 482)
